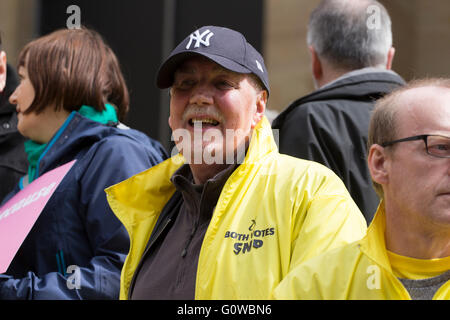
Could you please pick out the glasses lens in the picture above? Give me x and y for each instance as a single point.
(439, 146)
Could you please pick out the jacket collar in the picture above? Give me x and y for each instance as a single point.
(76, 134)
(373, 244)
(138, 201)
(369, 72)
(261, 144)
(357, 84)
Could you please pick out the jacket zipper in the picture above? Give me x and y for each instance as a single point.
(133, 280)
(180, 275)
(191, 236)
(60, 262)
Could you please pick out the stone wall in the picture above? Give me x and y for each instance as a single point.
(17, 25)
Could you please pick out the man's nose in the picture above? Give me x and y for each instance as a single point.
(202, 94)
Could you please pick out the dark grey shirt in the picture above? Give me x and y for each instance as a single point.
(169, 271)
(425, 289)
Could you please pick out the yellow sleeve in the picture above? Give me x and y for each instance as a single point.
(330, 220)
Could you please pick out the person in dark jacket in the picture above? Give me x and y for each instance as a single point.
(351, 64)
(13, 160)
(70, 100)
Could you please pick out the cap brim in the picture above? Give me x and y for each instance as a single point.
(166, 71)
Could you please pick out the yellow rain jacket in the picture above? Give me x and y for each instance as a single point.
(357, 271)
(273, 213)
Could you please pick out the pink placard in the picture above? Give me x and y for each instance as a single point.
(18, 215)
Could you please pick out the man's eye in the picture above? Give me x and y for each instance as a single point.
(224, 85)
(185, 84)
(441, 147)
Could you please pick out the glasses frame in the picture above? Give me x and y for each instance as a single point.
(423, 137)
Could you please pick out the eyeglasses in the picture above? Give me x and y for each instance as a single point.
(437, 146)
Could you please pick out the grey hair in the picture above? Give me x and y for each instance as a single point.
(344, 33)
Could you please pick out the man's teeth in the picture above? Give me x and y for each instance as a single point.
(204, 121)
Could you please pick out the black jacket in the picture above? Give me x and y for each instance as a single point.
(13, 159)
(330, 126)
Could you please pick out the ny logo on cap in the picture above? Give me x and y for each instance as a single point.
(199, 38)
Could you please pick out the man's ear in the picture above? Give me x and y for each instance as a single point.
(316, 65)
(3, 68)
(378, 163)
(261, 102)
(169, 121)
(390, 58)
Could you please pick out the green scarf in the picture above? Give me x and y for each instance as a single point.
(35, 150)
(105, 116)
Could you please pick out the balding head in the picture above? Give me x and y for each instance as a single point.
(420, 107)
(423, 110)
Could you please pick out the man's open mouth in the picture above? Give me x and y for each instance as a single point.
(203, 122)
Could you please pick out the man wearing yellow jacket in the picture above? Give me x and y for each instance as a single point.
(406, 252)
(228, 217)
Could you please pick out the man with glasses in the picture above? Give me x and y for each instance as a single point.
(406, 252)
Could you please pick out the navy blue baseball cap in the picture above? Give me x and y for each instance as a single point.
(224, 46)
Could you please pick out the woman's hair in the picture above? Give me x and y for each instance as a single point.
(71, 68)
